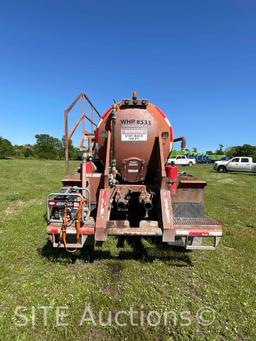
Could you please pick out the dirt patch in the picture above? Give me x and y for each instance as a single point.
(9, 211)
(20, 203)
(112, 291)
(12, 209)
(226, 181)
(230, 207)
(115, 270)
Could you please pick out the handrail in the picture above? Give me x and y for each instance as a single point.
(80, 119)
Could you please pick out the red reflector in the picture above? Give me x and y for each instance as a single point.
(87, 230)
(198, 233)
(54, 230)
(51, 203)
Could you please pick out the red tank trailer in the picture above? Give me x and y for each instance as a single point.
(123, 186)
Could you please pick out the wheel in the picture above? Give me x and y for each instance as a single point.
(222, 169)
(190, 164)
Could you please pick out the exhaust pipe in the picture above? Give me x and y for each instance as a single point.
(145, 200)
(122, 200)
(122, 203)
(182, 140)
(147, 204)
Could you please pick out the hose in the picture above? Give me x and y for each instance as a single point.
(63, 232)
(79, 219)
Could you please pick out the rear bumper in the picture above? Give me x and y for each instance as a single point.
(186, 229)
(197, 227)
(196, 231)
(54, 230)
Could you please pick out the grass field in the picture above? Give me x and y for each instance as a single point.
(165, 280)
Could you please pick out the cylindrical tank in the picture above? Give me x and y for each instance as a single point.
(138, 124)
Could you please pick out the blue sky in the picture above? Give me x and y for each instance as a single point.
(195, 59)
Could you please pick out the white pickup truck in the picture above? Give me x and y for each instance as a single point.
(237, 164)
(182, 160)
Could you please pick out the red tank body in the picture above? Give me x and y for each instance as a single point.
(135, 133)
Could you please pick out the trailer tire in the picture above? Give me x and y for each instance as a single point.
(222, 169)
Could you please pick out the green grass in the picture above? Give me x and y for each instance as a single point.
(165, 280)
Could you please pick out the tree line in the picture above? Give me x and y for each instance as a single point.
(234, 151)
(46, 147)
(52, 148)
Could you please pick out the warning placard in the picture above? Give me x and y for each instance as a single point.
(134, 134)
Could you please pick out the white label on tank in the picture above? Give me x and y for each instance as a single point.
(133, 170)
(134, 134)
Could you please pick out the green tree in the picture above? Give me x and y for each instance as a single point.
(6, 148)
(19, 151)
(245, 150)
(48, 147)
(28, 151)
(23, 151)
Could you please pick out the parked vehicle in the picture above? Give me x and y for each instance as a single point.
(182, 160)
(203, 159)
(208, 159)
(236, 164)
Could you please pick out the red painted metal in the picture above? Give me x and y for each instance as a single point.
(54, 230)
(102, 215)
(172, 175)
(89, 166)
(171, 172)
(132, 192)
(87, 230)
(199, 233)
(167, 216)
(148, 119)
